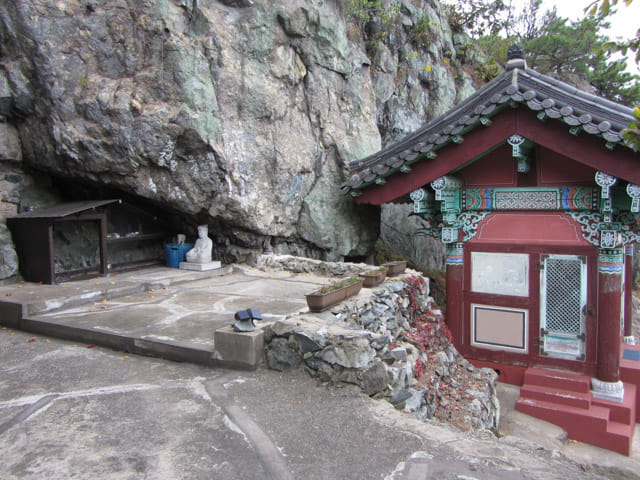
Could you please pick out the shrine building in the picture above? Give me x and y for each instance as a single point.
(536, 195)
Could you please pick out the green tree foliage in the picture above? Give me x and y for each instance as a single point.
(611, 80)
(574, 51)
(603, 7)
(560, 46)
(632, 132)
(477, 17)
(569, 50)
(494, 18)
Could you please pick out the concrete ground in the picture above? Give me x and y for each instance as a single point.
(552, 437)
(69, 411)
(161, 311)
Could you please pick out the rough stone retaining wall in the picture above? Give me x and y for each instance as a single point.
(294, 264)
(391, 341)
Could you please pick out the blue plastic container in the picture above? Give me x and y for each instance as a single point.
(176, 253)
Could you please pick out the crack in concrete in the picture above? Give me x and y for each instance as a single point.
(28, 412)
(268, 453)
(109, 390)
(35, 403)
(191, 384)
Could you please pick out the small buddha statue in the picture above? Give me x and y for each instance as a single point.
(201, 251)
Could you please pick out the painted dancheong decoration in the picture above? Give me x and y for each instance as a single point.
(532, 188)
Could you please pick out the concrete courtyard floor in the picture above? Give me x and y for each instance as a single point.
(167, 312)
(69, 411)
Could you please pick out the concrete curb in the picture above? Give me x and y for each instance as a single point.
(20, 314)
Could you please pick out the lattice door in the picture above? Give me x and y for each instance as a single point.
(563, 297)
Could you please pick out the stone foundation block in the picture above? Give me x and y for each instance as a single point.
(242, 350)
(612, 391)
(200, 267)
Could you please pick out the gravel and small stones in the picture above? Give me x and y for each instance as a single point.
(393, 343)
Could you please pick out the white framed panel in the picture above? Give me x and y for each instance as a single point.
(500, 273)
(499, 328)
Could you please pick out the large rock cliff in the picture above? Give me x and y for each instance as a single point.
(242, 114)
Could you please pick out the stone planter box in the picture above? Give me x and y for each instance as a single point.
(373, 277)
(354, 288)
(319, 302)
(395, 268)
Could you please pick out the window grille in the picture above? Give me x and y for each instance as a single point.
(563, 295)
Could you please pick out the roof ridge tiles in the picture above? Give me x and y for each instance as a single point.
(536, 91)
(574, 91)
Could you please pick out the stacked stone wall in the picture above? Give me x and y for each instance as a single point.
(393, 343)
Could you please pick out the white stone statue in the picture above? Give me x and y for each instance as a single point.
(201, 251)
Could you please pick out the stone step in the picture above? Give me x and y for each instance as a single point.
(625, 411)
(602, 423)
(230, 350)
(555, 395)
(630, 369)
(591, 426)
(168, 349)
(557, 379)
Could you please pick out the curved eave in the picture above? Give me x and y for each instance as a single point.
(547, 97)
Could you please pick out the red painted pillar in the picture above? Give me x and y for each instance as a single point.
(455, 269)
(610, 271)
(628, 287)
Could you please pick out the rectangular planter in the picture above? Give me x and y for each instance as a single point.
(354, 288)
(319, 302)
(373, 278)
(395, 268)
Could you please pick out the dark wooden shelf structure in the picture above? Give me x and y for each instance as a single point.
(33, 236)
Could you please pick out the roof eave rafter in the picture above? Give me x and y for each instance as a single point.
(589, 150)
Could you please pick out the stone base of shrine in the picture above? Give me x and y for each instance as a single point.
(567, 400)
(612, 391)
(511, 374)
(630, 367)
(573, 402)
(200, 267)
